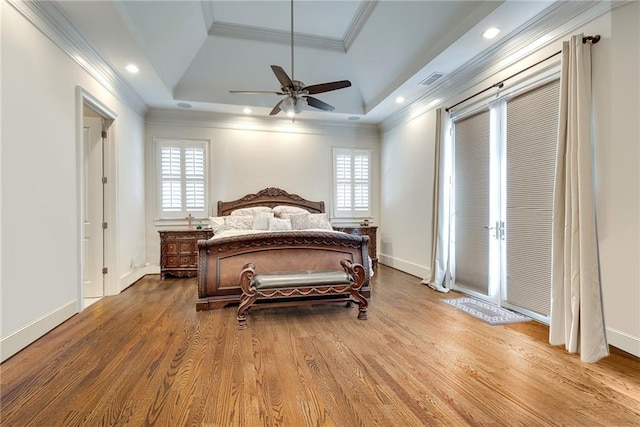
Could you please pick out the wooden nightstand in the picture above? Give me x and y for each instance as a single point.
(179, 251)
(369, 230)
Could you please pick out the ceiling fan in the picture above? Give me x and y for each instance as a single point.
(297, 94)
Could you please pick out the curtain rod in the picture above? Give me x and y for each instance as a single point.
(593, 39)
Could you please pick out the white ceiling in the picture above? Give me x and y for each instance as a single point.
(195, 52)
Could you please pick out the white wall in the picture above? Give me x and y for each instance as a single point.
(406, 195)
(616, 84)
(616, 89)
(248, 154)
(40, 279)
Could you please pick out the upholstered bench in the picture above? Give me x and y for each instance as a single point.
(301, 287)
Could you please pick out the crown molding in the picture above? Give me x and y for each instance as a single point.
(361, 17)
(49, 19)
(504, 54)
(247, 32)
(207, 119)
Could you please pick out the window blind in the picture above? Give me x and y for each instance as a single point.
(532, 125)
(472, 183)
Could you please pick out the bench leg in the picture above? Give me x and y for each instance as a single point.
(356, 271)
(363, 304)
(248, 294)
(243, 310)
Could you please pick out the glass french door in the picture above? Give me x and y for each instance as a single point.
(476, 222)
(504, 165)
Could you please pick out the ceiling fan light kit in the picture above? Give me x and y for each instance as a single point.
(297, 94)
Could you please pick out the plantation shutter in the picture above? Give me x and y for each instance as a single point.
(171, 176)
(532, 125)
(472, 183)
(352, 181)
(343, 181)
(182, 177)
(361, 182)
(194, 178)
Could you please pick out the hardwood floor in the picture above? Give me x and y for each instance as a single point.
(146, 357)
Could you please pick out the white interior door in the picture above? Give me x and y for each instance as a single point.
(93, 249)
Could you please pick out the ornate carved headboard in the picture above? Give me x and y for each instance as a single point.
(269, 197)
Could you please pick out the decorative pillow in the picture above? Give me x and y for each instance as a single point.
(238, 222)
(279, 224)
(261, 220)
(320, 221)
(217, 223)
(250, 211)
(299, 221)
(291, 210)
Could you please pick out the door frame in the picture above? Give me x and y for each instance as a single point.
(85, 98)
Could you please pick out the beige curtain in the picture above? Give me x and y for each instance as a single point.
(439, 263)
(576, 319)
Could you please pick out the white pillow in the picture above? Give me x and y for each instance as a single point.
(279, 224)
(238, 222)
(280, 210)
(299, 221)
(217, 223)
(250, 211)
(261, 220)
(320, 221)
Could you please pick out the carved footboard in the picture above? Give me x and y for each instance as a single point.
(221, 260)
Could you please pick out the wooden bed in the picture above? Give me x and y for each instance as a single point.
(221, 260)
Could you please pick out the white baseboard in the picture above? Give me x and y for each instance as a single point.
(624, 341)
(16, 341)
(404, 265)
(133, 276)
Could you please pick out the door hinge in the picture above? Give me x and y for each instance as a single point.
(104, 225)
(104, 179)
(105, 270)
(104, 133)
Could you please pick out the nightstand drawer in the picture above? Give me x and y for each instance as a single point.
(179, 251)
(172, 248)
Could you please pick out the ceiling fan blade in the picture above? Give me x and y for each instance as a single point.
(326, 87)
(276, 109)
(283, 77)
(257, 92)
(315, 102)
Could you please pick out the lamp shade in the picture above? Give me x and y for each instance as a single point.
(300, 105)
(287, 104)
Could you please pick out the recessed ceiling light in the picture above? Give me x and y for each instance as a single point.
(132, 68)
(491, 33)
(400, 100)
(184, 105)
(247, 110)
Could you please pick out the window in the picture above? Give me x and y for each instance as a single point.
(182, 178)
(352, 183)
